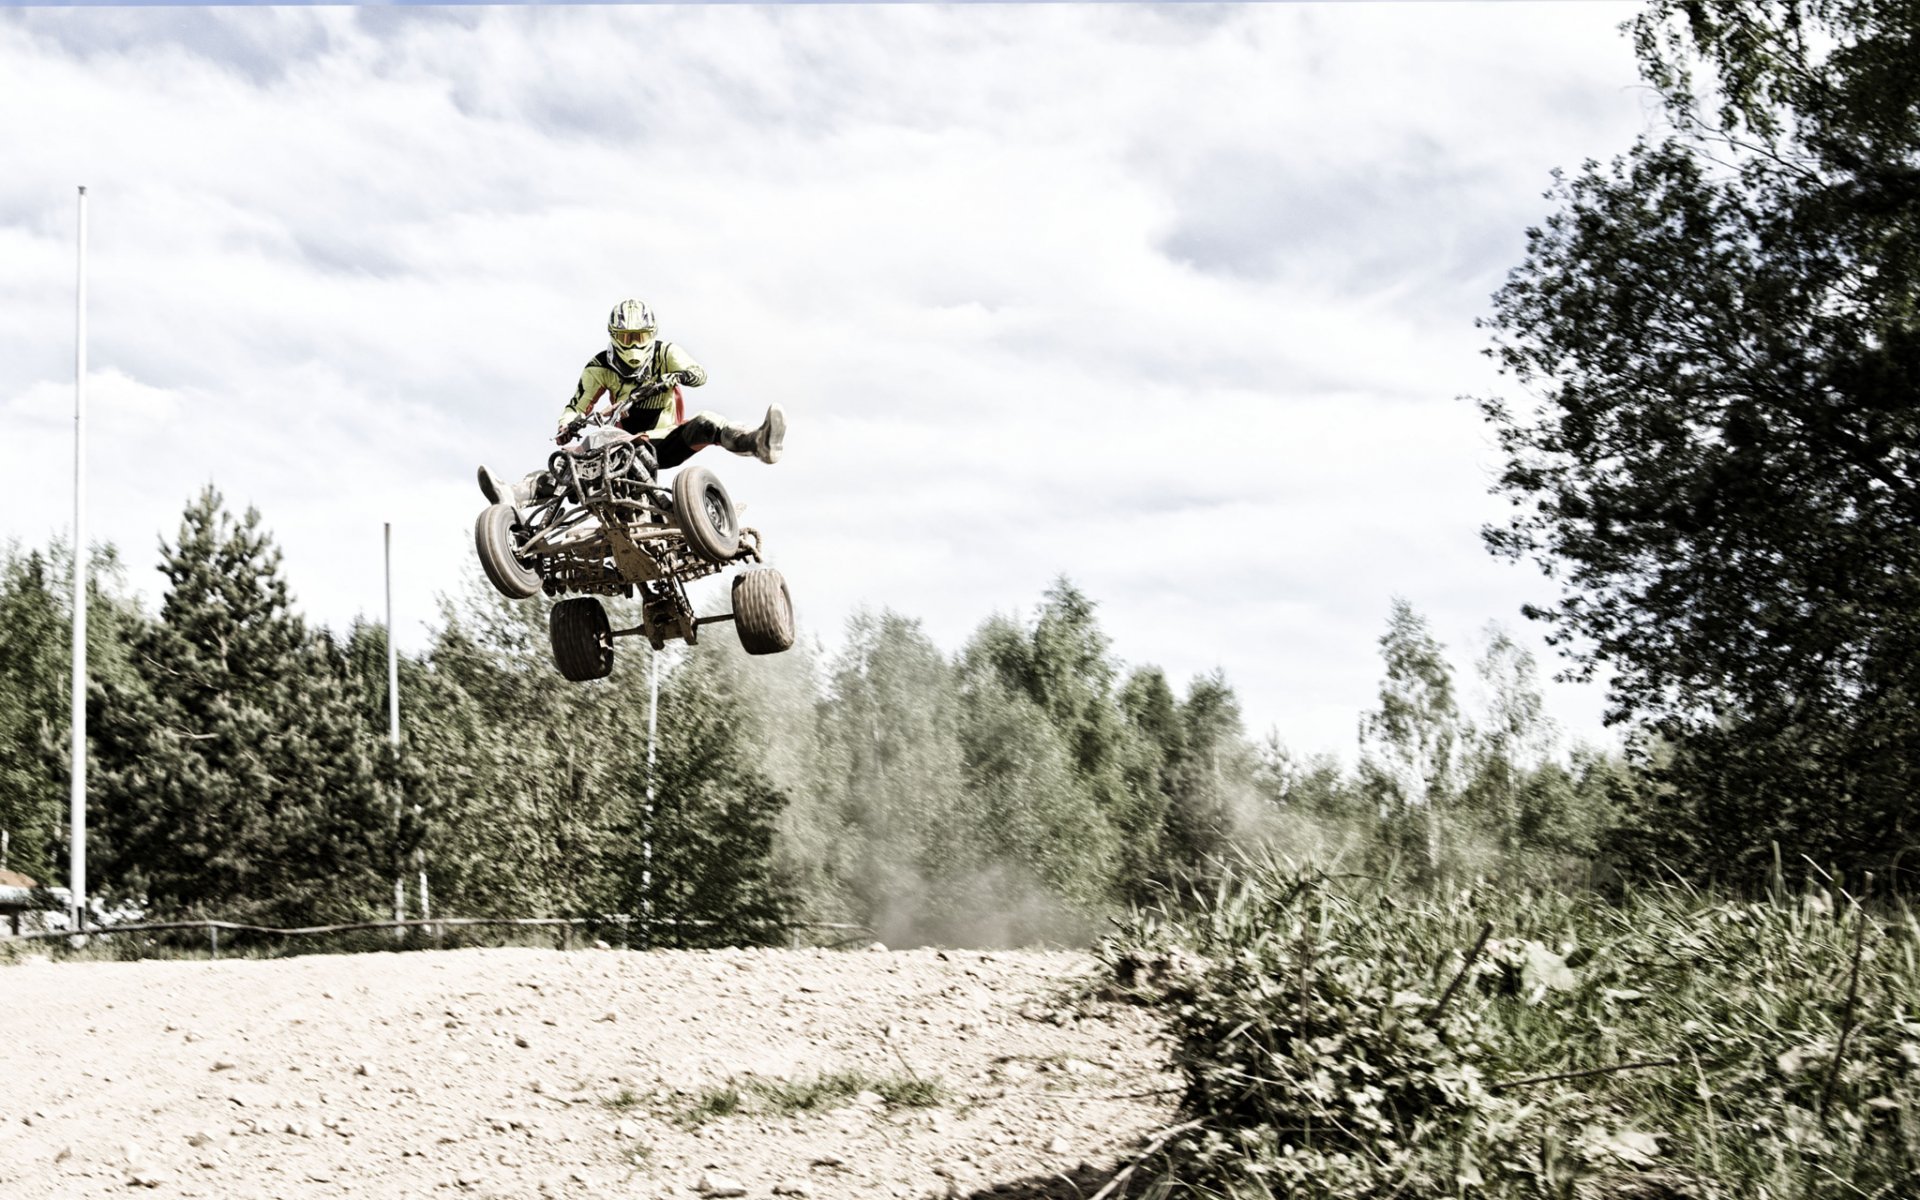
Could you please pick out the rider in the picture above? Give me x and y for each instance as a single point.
(638, 367)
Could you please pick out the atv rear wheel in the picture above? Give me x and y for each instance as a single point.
(762, 611)
(704, 512)
(493, 539)
(582, 639)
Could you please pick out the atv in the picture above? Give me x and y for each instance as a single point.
(601, 523)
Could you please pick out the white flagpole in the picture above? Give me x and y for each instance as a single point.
(393, 727)
(646, 818)
(77, 872)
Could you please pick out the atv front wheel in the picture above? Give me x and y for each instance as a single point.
(704, 512)
(493, 539)
(762, 611)
(582, 639)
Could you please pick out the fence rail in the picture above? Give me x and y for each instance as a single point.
(627, 924)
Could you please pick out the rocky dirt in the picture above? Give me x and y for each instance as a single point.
(530, 1073)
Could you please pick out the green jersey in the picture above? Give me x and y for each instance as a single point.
(647, 386)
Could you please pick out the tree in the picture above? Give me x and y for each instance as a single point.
(890, 764)
(712, 828)
(523, 778)
(36, 631)
(1120, 745)
(1209, 783)
(1159, 738)
(1410, 746)
(1312, 785)
(1033, 826)
(1511, 742)
(238, 778)
(33, 668)
(1065, 666)
(1722, 331)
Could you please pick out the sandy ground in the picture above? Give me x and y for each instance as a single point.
(527, 1073)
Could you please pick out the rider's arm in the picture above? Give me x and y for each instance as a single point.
(586, 394)
(675, 361)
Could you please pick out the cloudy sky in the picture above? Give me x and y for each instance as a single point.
(1176, 301)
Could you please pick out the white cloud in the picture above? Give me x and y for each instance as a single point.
(1176, 301)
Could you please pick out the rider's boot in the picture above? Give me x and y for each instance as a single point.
(772, 431)
(497, 491)
(493, 487)
(762, 443)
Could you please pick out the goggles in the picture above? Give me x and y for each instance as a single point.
(626, 338)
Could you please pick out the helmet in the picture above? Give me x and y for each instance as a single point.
(630, 325)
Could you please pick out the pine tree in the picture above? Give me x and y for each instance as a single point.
(36, 631)
(240, 777)
(33, 704)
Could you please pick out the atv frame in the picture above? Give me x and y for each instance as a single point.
(601, 523)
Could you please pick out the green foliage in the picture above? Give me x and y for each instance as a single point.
(1028, 812)
(1722, 329)
(890, 764)
(33, 651)
(1005, 796)
(710, 1104)
(712, 825)
(1411, 745)
(1207, 783)
(240, 781)
(1355, 1043)
(532, 791)
(36, 644)
(513, 768)
(1314, 784)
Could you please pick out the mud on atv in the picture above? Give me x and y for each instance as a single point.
(602, 524)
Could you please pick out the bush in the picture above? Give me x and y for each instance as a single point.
(1354, 1042)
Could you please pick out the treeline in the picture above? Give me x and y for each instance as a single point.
(1021, 789)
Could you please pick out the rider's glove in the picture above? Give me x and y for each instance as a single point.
(569, 425)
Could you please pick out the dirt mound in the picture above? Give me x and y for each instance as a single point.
(520, 1073)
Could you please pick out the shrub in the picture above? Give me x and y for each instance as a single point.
(1354, 1042)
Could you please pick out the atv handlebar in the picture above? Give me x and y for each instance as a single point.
(612, 415)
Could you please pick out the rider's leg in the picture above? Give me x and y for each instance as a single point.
(712, 429)
(682, 442)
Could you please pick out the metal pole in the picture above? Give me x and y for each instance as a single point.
(393, 653)
(393, 725)
(646, 822)
(77, 846)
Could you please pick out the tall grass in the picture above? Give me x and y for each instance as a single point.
(1345, 1039)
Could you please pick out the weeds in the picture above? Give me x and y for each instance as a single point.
(785, 1097)
(1356, 1041)
(710, 1104)
(623, 1102)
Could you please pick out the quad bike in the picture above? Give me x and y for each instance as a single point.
(601, 523)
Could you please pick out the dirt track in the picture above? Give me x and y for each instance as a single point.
(521, 1073)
